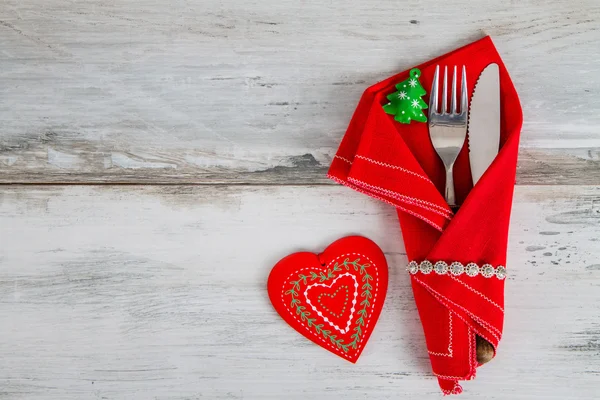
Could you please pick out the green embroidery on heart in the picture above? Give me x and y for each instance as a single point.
(322, 277)
(332, 296)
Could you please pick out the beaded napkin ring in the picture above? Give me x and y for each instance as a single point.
(456, 269)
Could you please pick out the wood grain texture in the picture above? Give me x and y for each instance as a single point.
(211, 91)
(159, 292)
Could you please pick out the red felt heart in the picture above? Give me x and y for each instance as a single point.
(333, 298)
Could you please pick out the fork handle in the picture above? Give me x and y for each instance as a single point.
(450, 197)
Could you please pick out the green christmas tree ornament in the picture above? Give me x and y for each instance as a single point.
(406, 103)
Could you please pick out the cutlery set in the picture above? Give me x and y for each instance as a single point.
(456, 260)
(448, 131)
(448, 127)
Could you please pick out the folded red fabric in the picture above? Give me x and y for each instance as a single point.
(463, 294)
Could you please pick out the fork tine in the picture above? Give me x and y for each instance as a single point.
(464, 99)
(433, 94)
(453, 99)
(445, 92)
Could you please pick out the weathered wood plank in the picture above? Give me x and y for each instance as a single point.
(221, 91)
(159, 292)
(535, 167)
(576, 166)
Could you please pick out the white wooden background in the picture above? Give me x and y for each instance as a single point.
(158, 157)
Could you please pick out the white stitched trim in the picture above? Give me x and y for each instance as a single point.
(476, 318)
(449, 354)
(361, 342)
(408, 171)
(472, 354)
(479, 293)
(382, 164)
(293, 314)
(492, 330)
(472, 361)
(457, 389)
(361, 190)
(343, 159)
(450, 378)
(435, 208)
(319, 313)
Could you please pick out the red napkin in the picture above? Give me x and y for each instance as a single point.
(397, 164)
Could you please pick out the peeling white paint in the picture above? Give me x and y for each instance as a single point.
(224, 162)
(64, 160)
(123, 161)
(107, 162)
(9, 160)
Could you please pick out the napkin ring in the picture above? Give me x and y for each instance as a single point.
(456, 268)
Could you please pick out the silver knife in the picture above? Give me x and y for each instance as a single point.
(484, 121)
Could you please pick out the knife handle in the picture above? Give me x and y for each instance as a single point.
(485, 351)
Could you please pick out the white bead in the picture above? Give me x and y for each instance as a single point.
(441, 268)
(472, 269)
(501, 272)
(413, 267)
(426, 267)
(487, 270)
(457, 268)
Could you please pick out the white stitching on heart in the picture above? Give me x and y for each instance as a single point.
(361, 342)
(294, 315)
(320, 314)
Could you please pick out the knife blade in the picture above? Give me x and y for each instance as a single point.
(484, 121)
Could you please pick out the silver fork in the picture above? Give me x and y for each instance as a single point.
(448, 128)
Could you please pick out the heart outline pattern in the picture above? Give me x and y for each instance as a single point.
(319, 313)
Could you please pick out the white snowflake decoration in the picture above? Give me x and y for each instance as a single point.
(402, 95)
(412, 82)
(415, 103)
